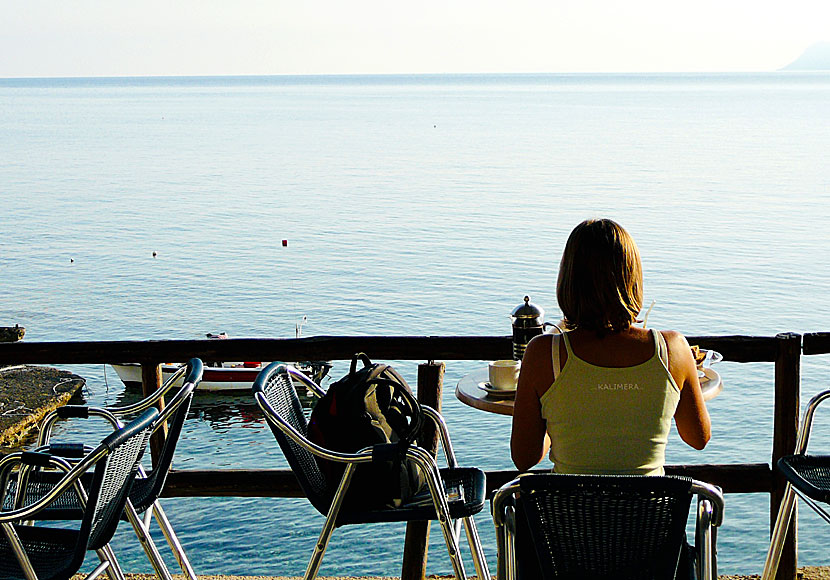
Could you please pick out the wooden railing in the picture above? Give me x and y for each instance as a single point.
(784, 350)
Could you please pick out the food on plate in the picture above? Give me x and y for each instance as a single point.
(698, 354)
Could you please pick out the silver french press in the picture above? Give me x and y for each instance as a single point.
(528, 321)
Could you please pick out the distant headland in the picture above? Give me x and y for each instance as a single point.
(816, 57)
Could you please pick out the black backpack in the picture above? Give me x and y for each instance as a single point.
(370, 407)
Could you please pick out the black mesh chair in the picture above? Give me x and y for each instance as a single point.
(143, 502)
(274, 391)
(603, 527)
(808, 476)
(33, 552)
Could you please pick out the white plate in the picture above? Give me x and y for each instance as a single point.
(493, 392)
(716, 356)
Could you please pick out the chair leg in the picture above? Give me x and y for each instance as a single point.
(442, 510)
(100, 569)
(456, 527)
(779, 533)
(505, 545)
(107, 556)
(173, 541)
(452, 545)
(479, 560)
(328, 526)
(143, 534)
(706, 564)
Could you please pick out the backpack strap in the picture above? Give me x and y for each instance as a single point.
(367, 362)
(383, 374)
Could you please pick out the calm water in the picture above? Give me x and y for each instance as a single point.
(411, 205)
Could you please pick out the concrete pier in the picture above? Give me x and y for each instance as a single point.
(27, 394)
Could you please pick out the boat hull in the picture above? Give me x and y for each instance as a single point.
(224, 378)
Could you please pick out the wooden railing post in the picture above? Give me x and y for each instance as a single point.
(785, 431)
(430, 387)
(151, 381)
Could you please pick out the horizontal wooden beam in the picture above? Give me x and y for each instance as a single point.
(816, 343)
(734, 348)
(284, 349)
(232, 483)
(739, 348)
(732, 478)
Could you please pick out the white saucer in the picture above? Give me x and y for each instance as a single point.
(707, 375)
(493, 392)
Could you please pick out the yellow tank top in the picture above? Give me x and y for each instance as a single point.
(605, 420)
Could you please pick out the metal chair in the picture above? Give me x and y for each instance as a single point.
(808, 476)
(602, 527)
(33, 552)
(143, 502)
(274, 391)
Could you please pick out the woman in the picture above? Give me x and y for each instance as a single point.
(601, 396)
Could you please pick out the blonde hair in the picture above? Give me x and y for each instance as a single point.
(600, 285)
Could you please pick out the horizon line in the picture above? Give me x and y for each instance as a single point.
(411, 74)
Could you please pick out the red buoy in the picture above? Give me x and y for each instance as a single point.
(284, 243)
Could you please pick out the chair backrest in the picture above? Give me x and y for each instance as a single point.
(275, 394)
(146, 491)
(112, 478)
(602, 526)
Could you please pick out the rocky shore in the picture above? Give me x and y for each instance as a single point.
(27, 394)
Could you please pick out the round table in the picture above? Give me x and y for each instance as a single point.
(469, 391)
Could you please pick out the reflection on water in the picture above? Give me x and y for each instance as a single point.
(218, 411)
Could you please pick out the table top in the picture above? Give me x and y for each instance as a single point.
(470, 392)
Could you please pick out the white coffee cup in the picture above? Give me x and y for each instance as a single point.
(504, 374)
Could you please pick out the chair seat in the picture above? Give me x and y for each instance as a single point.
(471, 479)
(809, 474)
(66, 506)
(51, 551)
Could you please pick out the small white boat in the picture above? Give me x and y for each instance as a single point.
(227, 377)
(223, 376)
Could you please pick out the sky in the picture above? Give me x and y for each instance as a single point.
(60, 38)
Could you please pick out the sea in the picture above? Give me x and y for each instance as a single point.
(167, 208)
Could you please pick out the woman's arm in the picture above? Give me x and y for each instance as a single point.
(691, 417)
(529, 442)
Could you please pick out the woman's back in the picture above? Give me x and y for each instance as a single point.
(612, 415)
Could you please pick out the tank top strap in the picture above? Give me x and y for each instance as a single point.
(555, 358)
(554, 355)
(661, 346)
(565, 338)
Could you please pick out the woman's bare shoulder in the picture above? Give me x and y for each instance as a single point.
(536, 363)
(674, 338)
(539, 345)
(678, 346)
